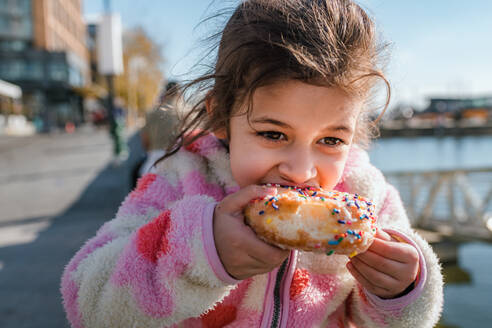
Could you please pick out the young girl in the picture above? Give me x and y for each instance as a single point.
(287, 105)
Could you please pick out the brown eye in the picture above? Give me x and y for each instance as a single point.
(330, 141)
(272, 135)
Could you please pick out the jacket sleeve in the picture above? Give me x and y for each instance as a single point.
(420, 307)
(154, 265)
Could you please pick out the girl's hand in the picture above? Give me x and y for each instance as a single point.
(387, 268)
(242, 253)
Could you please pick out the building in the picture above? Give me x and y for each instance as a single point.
(43, 50)
(460, 108)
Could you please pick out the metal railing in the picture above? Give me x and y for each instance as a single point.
(457, 203)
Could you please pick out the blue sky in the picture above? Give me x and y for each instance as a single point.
(438, 47)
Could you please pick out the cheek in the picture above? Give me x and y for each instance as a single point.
(247, 169)
(333, 170)
(338, 170)
(241, 173)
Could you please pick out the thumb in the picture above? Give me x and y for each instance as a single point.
(238, 200)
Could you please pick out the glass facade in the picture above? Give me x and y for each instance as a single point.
(46, 72)
(57, 71)
(34, 66)
(15, 19)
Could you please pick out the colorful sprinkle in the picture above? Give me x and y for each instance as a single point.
(261, 212)
(333, 242)
(275, 206)
(269, 220)
(330, 252)
(341, 221)
(353, 254)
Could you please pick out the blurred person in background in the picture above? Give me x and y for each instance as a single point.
(117, 132)
(159, 130)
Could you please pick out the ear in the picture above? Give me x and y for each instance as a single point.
(210, 107)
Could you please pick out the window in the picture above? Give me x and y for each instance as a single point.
(57, 71)
(33, 70)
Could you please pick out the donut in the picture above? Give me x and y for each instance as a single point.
(314, 220)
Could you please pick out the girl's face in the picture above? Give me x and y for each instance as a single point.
(299, 135)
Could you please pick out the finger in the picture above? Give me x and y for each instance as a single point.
(381, 234)
(401, 252)
(247, 268)
(265, 253)
(268, 263)
(388, 266)
(255, 267)
(236, 201)
(247, 240)
(375, 277)
(252, 264)
(366, 283)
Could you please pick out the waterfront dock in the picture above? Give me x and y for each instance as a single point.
(455, 131)
(448, 207)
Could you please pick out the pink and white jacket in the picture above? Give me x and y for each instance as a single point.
(155, 264)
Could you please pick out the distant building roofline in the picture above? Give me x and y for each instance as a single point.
(456, 104)
(454, 98)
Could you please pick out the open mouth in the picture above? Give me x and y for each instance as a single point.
(280, 185)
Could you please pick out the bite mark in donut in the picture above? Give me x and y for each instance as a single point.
(313, 220)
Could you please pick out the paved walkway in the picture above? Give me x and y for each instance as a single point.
(55, 192)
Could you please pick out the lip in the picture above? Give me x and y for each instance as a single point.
(285, 184)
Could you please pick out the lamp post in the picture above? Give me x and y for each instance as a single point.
(110, 76)
(110, 63)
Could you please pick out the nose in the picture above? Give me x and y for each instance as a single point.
(298, 167)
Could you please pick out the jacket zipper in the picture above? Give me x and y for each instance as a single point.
(277, 303)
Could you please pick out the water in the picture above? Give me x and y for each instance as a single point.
(468, 305)
(430, 153)
(465, 305)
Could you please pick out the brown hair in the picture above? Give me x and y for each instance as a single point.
(322, 42)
